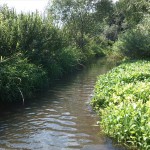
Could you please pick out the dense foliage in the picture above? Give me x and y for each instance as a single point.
(33, 53)
(122, 98)
(58, 41)
(19, 79)
(135, 43)
(37, 49)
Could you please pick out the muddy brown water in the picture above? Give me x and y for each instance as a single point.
(61, 119)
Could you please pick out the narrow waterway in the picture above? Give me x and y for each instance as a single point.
(61, 119)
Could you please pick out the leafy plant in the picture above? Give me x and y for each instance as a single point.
(135, 43)
(19, 79)
(122, 98)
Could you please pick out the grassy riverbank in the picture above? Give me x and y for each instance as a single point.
(122, 99)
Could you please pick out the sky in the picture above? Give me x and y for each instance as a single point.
(27, 5)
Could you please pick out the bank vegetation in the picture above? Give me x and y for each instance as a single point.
(122, 96)
(36, 49)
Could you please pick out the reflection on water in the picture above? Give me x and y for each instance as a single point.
(61, 120)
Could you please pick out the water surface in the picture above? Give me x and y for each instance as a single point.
(61, 119)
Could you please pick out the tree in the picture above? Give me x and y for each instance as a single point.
(133, 10)
(104, 10)
(74, 17)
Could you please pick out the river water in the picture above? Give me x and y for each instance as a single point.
(61, 119)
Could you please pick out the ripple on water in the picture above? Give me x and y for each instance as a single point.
(67, 117)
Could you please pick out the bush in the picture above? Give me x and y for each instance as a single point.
(30, 35)
(135, 43)
(20, 79)
(41, 44)
(70, 57)
(122, 98)
(98, 45)
(111, 32)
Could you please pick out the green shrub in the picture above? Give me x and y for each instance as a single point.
(98, 45)
(116, 50)
(135, 43)
(30, 35)
(40, 43)
(20, 79)
(70, 57)
(122, 98)
(111, 32)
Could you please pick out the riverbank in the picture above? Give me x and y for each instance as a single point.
(20, 79)
(123, 103)
(34, 53)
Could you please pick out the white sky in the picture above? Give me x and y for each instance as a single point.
(27, 5)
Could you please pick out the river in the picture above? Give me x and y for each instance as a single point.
(60, 119)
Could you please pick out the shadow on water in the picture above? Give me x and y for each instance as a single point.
(60, 119)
